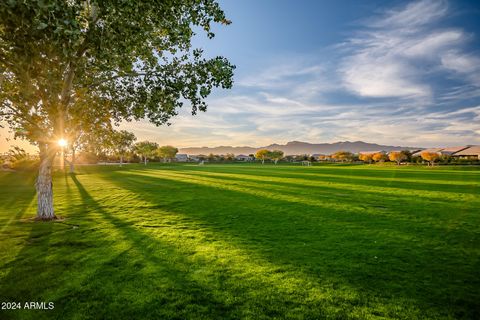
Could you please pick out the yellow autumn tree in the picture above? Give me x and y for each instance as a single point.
(397, 156)
(262, 154)
(430, 157)
(343, 156)
(366, 157)
(379, 157)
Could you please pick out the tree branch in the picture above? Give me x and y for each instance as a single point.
(128, 75)
(22, 116)
(70, 71)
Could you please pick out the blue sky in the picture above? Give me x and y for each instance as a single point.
(392, 72)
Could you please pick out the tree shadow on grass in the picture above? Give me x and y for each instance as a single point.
(451, 174)
(395, 209)
(440, 280)
(39, 267)
(195, 285)
(28, 274)
(146, 281)
(15, 197)
(393, 180)
(299, 185)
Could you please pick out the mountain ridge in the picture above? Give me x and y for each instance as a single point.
(297, 147)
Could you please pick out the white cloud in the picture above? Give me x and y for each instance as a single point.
(263, 119)
(466, 67)
(280, 75)
(414, 15)
(460, 62)
(301, 77)
(430, 45)
(375, 75)
(395, 53)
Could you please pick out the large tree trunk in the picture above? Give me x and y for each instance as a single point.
(121, 161)
(145, 160)
(44, 186)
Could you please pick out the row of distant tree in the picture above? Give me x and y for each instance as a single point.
(344, 156)
(123, 147)
(216, 157)
(120, 146)
(114, 145)
(111, 145)
(394, 156)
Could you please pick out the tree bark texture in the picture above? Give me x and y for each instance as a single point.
(44, 186)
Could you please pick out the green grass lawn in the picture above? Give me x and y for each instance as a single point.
(245, 242)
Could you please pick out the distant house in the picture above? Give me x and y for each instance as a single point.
(412, 151)
(470, 152)
(319, 156)
(289, 158)
(242, 157)
(450, 151)
(181, 157)
(193, 158)
(453, 150)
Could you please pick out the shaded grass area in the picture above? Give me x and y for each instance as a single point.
(246, 241)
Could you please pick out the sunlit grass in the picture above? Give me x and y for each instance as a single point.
(245, 241)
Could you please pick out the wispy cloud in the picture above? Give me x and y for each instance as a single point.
(413, 15)
(280, 76)
(394, 54)
(465, 66)
(263, 119)
(301, 77)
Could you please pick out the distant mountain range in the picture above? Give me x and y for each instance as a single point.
(298, 147)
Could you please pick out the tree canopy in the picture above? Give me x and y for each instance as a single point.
(430, 157)
(122, 142)
(63, 61)
(275, 155)
(167, 152)
(397, 156)
(343, 156)
(366, 157)
(146, 149)
(379, 156)
(262, 154)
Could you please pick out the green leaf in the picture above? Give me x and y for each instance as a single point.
(42, 25)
